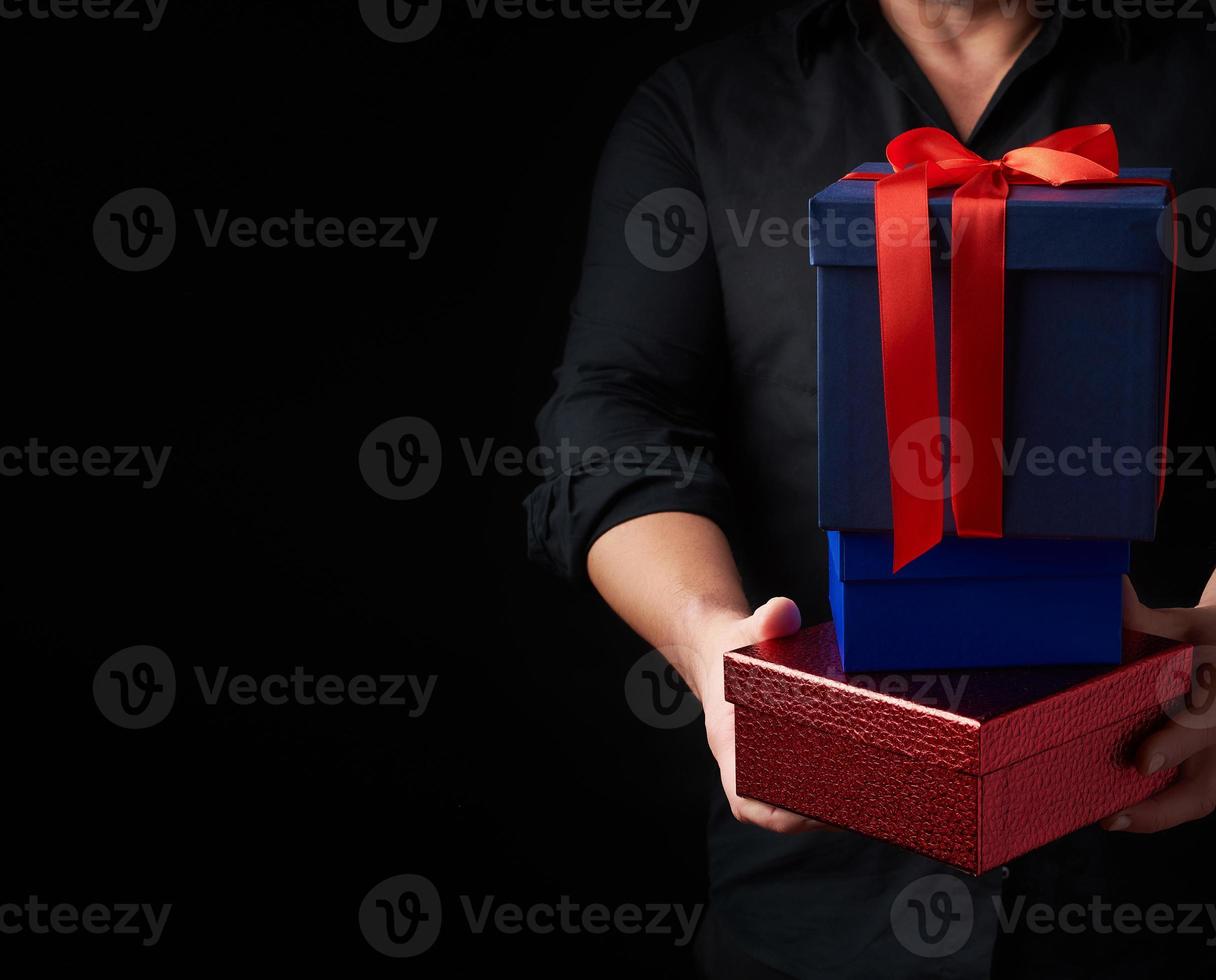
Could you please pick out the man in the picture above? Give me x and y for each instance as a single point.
(693, 332)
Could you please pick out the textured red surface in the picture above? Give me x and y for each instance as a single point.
(970, 767)
(893, 797)
(1048, 795)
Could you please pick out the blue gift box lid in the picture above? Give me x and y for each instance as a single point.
(867, 557)
(1078, 228)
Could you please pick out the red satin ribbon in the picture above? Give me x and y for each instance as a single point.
(924, 159)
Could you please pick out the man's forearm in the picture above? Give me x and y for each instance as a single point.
(672, 577)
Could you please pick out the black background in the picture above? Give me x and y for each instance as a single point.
(528, 777)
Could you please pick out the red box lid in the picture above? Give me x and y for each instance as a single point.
(974, 721)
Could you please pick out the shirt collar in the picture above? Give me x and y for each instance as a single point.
(810, 24)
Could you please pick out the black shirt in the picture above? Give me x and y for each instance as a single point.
(694, 330)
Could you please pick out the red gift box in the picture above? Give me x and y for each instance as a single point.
(972, 768)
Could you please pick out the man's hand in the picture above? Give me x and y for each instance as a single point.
(777, 617)
(1188, 739)
(671, 576)
(1193, 624)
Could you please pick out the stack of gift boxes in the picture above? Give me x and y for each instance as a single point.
(1086, 336)
(979, 498)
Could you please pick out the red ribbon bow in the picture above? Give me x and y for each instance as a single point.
(924, 159)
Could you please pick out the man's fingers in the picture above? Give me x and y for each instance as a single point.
(1171, 623)
(1134, 611)
(1185, 800)
(773, 818)
(1172, 745)
(753, 811)
(777, 617)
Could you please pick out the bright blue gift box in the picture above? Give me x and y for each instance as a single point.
(976, 602)
(1087, 300)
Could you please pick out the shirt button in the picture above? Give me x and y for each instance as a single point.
(1004, 871)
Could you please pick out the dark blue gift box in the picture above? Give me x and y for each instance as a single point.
(976, 602)
(1087, 302)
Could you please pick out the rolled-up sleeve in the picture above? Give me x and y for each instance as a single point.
(630, 428)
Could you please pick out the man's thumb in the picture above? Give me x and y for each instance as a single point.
(777, 617)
